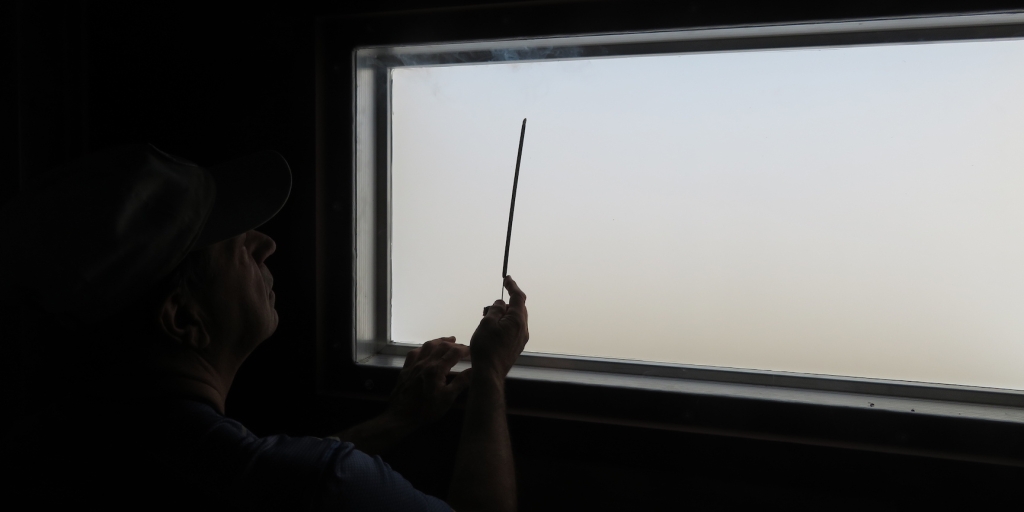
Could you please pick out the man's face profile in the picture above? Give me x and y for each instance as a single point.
(239, 296)
(232, 311)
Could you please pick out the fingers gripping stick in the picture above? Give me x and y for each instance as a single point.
(516, 299)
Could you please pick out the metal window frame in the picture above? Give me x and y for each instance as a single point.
(371, 346)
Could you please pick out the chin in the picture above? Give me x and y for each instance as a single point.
(269, 329)
(273, 323)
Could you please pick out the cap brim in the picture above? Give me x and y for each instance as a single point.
(250, 191)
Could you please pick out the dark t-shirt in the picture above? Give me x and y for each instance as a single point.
(219, 461)
(176, 454)
(88, 432)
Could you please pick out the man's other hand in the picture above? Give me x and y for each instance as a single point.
(422, 394)
(502, 333)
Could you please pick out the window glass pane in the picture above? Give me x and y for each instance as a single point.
(849, 211)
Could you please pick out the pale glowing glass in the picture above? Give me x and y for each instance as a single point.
(851, 211)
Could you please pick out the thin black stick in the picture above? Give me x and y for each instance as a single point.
(512, 209)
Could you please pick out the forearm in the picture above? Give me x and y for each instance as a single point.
(484, 478)
(377, 435)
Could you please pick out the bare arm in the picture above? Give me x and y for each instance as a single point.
(484, 478)
(377, 435)
(420, 397)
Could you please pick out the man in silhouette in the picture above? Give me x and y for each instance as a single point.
(144, 287)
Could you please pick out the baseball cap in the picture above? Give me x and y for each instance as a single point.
(91, 237)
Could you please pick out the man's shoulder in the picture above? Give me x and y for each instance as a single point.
(222, 459)
(199, 433)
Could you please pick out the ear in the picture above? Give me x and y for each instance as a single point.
(182, 322)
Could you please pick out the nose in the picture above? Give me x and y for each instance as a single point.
(262, 246)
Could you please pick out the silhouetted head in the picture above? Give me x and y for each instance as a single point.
(133, 253)
(130, 278)
(218, 304)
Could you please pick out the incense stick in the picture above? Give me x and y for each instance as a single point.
(512, 209)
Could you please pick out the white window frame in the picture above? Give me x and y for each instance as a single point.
(373, 347)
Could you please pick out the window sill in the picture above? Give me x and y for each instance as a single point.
(991, 433)
(985, 412)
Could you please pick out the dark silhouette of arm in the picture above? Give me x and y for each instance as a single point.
(484, 478)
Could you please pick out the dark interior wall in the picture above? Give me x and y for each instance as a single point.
(210, 84)
(9, 176)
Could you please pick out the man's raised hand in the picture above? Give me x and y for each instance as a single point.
(502, 333)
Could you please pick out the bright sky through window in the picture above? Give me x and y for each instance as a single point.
(845, 211)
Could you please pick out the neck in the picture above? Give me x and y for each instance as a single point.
(187, 374)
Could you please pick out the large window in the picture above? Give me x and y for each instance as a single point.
(826, 203)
